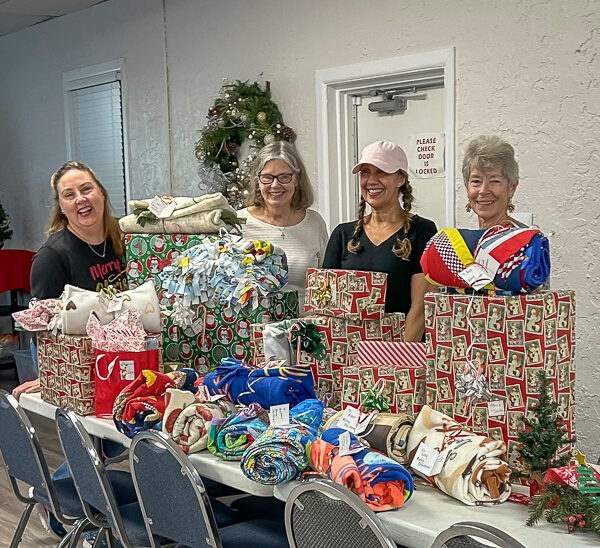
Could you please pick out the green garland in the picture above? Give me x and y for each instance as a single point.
(242, 111)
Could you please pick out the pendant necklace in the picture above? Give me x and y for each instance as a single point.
(280, 228)
(101, 255)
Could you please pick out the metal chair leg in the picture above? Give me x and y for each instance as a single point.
(76, 532)
(22, 524)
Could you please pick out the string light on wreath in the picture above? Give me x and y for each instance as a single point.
(242, 111)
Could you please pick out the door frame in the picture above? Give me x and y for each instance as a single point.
(335, 88)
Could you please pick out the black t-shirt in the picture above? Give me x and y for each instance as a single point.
(381, 258)
(66, 259)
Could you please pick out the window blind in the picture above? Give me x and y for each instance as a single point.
(96, 121)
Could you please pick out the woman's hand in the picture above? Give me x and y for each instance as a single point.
(26, 388)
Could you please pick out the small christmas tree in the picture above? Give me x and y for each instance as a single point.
(544, 435)
(5, 232)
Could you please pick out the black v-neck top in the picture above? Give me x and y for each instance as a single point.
(381, 258)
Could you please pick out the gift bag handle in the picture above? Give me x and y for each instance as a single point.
(111, 367)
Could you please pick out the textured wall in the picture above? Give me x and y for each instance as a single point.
(526, 70)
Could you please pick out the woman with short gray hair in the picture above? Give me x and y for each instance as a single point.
(491, 176)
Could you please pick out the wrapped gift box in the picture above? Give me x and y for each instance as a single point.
(340, 337)
(400, 364)
(223, 332)
(513, 337)
(66, 366)
(352, 294)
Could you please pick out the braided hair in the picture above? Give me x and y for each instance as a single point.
(402, 247)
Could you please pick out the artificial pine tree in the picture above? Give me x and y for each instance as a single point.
(544, 435)
(5, 232)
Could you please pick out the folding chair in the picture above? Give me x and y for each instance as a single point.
(114, 494)
(187, 517)
(459, 536)
(25, 461)
(320, 512)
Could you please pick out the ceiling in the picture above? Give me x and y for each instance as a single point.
(17, 15)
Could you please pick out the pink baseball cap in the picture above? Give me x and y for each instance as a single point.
(385, 155)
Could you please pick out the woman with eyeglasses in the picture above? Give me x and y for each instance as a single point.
(278, 202)
(391, 238)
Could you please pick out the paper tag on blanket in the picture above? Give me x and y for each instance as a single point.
(203, 393)
(161, 207)
(488, 262)
(280, 415)
(439, 462)
(115, 304)
(476, 276)
(425, 459)
(349, 419)
(496, 408)
(344, 445)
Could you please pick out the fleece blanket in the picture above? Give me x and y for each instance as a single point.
(267, 385)
(521, 257)
(381, 482)
(474, 471)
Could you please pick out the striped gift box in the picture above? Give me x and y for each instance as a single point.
(392, 353)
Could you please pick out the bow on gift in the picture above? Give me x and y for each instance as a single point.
(307, 338)
(472, 384)
(375, 399)
(322, 295)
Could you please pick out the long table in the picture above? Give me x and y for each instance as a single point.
(416, 525)
(209, 466)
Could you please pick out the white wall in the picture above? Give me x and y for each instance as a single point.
(527, 71)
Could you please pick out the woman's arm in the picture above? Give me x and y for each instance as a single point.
(415, 319)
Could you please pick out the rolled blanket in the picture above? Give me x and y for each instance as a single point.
(387, 433)
(186, 205)
(141, 404)
(272, 384)
(475, 472)
(521, 257)
(203, 222)
(230, 437)
(277, 456)
(381, 482)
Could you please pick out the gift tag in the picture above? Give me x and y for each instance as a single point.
(476, 276)
(127, 368)
(439, 462)
(203, 394)
(162, 206)
(344, 443)
(104, 300)
(280, 415)
(425, 459)
(197, 325)
(349, 419)
(115, 304)
(488, 262)
(363, 422)
(496, 408)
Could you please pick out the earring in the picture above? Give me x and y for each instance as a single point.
(511, 206)
(468, 208)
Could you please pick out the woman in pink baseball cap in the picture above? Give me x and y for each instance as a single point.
(390, 239)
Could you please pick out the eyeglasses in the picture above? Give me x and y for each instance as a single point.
(283, 178)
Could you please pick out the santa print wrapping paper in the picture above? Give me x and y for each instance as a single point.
(513, 337)
(400, 364)
(340, 337)
(226, 332)
(352, 294)
(66, 364)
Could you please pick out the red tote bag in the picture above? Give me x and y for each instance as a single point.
(114, 371)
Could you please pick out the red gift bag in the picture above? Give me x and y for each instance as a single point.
(114, 371)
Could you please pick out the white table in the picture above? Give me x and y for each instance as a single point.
(429, 512)
(209, 466)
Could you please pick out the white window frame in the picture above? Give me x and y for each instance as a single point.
(335, 88)
(102, 73)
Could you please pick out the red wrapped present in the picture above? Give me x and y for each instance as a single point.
(352, 294)
(340, 336)
(509, 338)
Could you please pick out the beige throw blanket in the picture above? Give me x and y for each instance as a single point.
(474, 471)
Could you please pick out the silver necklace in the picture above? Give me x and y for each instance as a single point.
(280, 228)
(101, 255)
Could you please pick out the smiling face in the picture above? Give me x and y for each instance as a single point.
(81, 201)
(378, 188)
(489, 192)
(277, 195)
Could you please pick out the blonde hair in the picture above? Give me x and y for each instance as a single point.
(58, 221)
(281, 150)
(402, 247)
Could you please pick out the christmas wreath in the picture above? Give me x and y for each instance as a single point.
(242, 112)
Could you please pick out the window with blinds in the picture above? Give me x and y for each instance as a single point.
(95, 131)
